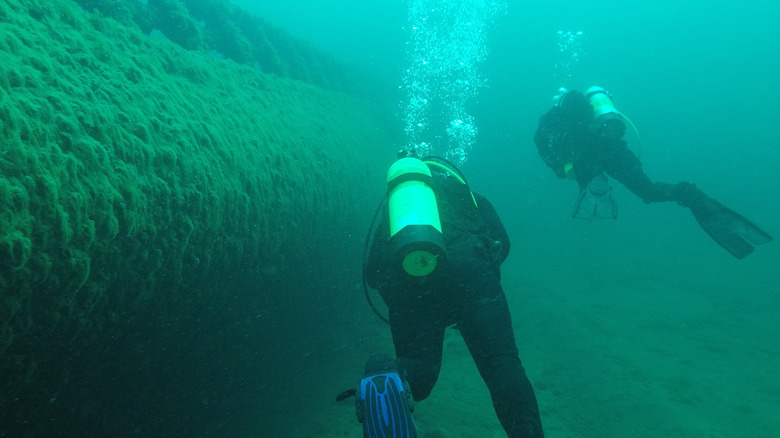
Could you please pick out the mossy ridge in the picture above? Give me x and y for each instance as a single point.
(134, 172)
(219, 26)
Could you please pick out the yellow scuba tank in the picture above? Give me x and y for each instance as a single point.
(416, 239)
(607, 120)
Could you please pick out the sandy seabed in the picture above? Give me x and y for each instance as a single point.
(628, 342)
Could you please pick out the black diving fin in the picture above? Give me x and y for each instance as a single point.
(728, 228)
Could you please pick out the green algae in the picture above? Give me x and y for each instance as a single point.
(221, 27)
(132, 169)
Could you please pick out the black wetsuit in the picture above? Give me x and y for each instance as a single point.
(573, 145)
(465, 292)
(565, 135)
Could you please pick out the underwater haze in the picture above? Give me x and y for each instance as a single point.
(224, 299)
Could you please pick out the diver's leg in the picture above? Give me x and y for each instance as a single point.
(625, 167)
(586, 168)
(729, 229)
(418, 336)
(486, 326)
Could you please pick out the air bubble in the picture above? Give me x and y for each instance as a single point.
(445, 56)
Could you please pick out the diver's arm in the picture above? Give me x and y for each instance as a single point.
(495, 227)
(549, 150)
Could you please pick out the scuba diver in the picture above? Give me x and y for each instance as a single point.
(581, 138)
(435, 259)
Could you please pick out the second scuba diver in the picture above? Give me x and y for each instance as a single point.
(581, 138)
(435, 259)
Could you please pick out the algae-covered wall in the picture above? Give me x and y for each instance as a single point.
(221, 27)
(144, 186)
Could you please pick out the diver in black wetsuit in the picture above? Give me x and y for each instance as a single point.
(581, 138)
(463, 290)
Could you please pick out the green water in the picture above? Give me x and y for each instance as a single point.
(639, 327)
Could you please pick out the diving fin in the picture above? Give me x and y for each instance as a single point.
(384, 404)
(728, 228)
(595, 200)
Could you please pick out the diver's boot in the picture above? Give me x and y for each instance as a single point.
(384, 403)
(688, 195)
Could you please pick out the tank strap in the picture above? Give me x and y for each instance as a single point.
(410, 176)
(454, 173)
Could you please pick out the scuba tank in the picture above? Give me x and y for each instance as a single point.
(416, 243)
(416, 239)
(608, 122)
